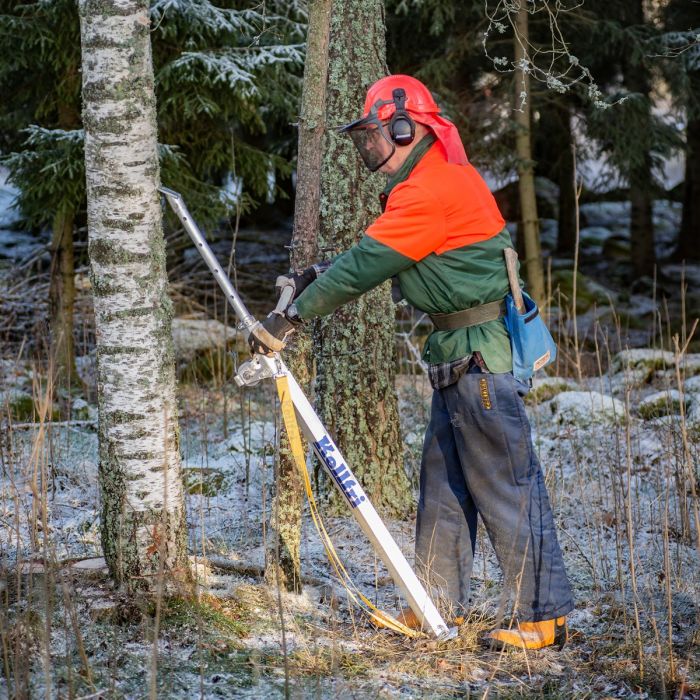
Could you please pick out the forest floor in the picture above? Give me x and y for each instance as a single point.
(618, 447)
(615, 452)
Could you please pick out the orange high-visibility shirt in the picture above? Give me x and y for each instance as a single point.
(440, 207)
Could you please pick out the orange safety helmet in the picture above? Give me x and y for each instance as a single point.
(419, 100)
(401, 99)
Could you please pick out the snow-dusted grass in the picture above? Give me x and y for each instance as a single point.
(619, 487)
(619, 481)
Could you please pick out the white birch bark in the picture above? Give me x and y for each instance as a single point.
(143, 523)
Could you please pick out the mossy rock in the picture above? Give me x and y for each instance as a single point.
(692, 386)
(203, 481)
(203, 349)
(690, 365)
(546, 388)
(630, 378)
(648, 358)
(594, 235)
(617, 248)
(80, 410)
(587, 408)
(587, 291)
(693, 419)
(662, 403)
(19, 405)
(207, 365)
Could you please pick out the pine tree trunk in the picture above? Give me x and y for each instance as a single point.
(566, 236)
(640, 178)
(687, 248)
(355, 388)
(642, 224)
(285, 521)
(142, 517)
(62, 300)
(529, 223)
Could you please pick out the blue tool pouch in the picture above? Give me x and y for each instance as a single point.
(532, 344)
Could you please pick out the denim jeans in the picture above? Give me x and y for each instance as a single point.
(478, 459)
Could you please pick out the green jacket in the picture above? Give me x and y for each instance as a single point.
(442, 235)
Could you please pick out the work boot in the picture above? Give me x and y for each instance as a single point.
(531, 635)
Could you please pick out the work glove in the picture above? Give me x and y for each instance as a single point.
(273, 333)
(299, 281)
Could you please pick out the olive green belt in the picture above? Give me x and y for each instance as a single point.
(469, 317)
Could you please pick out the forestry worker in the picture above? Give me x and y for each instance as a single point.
(442, 235)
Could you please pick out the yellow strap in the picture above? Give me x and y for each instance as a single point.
(290, 423)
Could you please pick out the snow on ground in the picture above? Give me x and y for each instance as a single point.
(617, 485)
(615, 452)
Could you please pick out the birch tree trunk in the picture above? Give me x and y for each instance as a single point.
(355, 387)
(142, 514)
(285, 521)
(529, 224)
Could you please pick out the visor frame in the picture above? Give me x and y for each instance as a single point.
(372, 118)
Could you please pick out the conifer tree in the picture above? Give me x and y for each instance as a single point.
(227, 80)
(40, 125)
(679, 43)
(355, 386)
(285, 519)
(634, 139)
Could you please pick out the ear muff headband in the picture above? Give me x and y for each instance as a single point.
(402, 129)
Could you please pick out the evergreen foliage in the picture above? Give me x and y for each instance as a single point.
(40, 112)
(450, 59)
(227, 81)
(630, 134)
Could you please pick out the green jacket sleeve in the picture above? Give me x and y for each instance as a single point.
(363, 267)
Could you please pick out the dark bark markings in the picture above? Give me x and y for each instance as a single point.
(357, 399)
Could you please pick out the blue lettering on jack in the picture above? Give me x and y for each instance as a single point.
(339, 472)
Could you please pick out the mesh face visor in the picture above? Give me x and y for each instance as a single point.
(373, 145)
(371, 140)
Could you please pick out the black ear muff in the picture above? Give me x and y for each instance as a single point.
(402, 128)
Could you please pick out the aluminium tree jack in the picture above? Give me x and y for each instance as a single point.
(262, 367)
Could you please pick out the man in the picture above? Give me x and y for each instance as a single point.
(442, 235)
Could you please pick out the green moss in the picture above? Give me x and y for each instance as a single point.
(587, 292)
(617, 249)
(102, 288)
(203, 481)
(214, 614)
(119, 350)
(18, 404)
(80, 410)
(107, 253)
(118, 417)
(546, 391)
(658, 405)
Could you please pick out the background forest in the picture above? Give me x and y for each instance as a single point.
(209, 579)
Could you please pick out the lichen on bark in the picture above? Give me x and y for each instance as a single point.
(285, 521)
(355, 386)
(143, 524)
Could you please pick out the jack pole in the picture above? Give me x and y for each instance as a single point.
(261, 367)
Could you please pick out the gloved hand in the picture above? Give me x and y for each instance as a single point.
(273, 333)
(299, 281)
